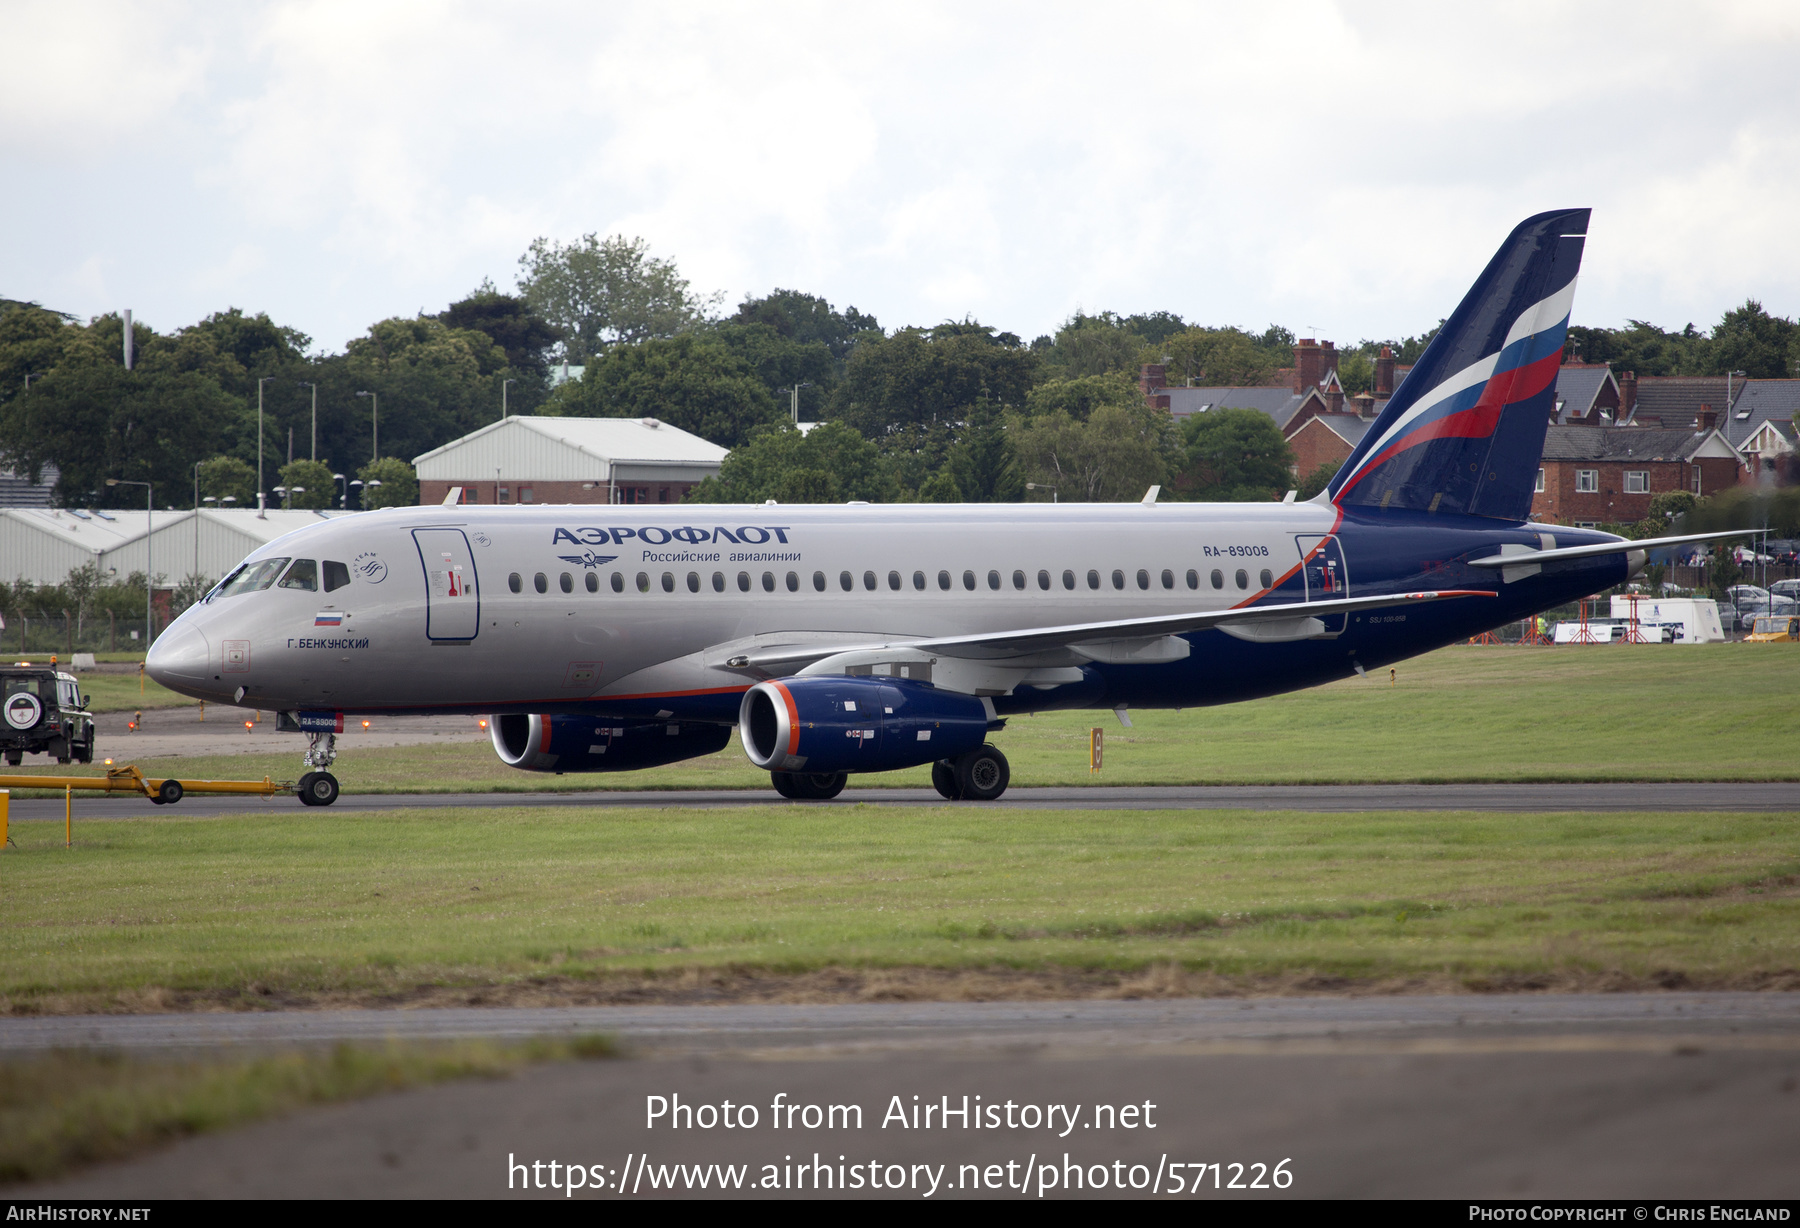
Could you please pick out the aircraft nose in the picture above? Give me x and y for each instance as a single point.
(179, 655)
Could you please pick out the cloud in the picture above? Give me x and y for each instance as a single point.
(1349, 166)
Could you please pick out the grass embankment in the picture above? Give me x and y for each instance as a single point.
(122, 693)
(308, 907)
(1611, 712)
(68, 1108)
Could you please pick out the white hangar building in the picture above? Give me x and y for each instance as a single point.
(44, 544)
(569, 460)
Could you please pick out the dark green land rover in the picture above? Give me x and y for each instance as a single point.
(43, 712)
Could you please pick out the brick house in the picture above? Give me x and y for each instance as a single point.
(569, 460)
(1594, 475)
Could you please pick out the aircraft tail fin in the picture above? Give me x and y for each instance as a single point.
(1464, 432)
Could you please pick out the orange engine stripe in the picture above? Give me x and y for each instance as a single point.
(793, 719)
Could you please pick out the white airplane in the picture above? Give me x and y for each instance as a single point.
(863, 638)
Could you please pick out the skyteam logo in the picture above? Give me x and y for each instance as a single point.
(656, 535)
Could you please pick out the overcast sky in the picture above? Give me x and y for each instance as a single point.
(1342, 169)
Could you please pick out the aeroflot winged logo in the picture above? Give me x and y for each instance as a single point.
(655, 535)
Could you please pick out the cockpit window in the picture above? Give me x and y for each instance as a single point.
(253, 577)
(336, 576)
(303, 575)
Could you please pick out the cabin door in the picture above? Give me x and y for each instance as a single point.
(1327, 579)
(452, 590)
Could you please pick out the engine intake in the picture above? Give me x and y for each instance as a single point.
(828, 723)
(596, 744)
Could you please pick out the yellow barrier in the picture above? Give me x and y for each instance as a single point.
(5, 807)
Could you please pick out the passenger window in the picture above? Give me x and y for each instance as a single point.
(743, 581)
(567, 582)
(994, 580)
(894, 580)
(793, 581)
(618, 582)
(592, 580)
(818, 581)
(718, 581)
(693, 581)
(869, 581)
(768, 581)
(1068, 579)
(969, 580)
(668, 578)
(1143, 578)
(1193, 578)
(643, 581)
(1018, 579)
(1218, 578)
(540, 583)
(1243, 578)
(919, 580)
(846, 581)
(336, 576)
(1168, 578)
(514, 583)
(1267, 578)
(944, 581)
(1043, 579)
(1093, 578)
(1118, 578)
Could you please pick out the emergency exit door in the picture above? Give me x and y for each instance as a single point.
(1327, 579)
(452, 590)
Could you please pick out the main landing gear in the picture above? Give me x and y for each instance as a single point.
(809, 786)
(319, 787)
(979, 776)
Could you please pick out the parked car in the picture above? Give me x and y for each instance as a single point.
(42, 711)
(1786, 588)
(1774, 629)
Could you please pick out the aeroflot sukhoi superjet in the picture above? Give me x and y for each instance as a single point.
(864, 638)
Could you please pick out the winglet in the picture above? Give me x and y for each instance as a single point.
(1150, 495)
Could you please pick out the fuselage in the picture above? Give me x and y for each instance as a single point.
(636, 611)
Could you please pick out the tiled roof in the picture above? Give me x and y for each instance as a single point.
(1763, 400)
(1278, 403)
(1676, 399)
(1576, 387)
(1620, 443)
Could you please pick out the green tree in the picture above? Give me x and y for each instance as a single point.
(508, 321)
(399, 484)
(1079, 397)
(940, 487)
(690, 381)
(807, 319)
(761, 468)
(1233, 456)
(1217, 357)
(1095, 345)
(1750, 340)
(1114, 456)
(920, 376)
(981, 461)
(1316, 481)
(227, 477)
(782, 362)
(604, 292)
(309, 484)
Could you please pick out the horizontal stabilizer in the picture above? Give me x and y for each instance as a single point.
(1534, 557)
(1000, 645)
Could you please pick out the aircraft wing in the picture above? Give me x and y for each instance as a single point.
(1530, 557)
(1030, 641)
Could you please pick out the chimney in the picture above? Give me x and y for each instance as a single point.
(1365, 404)
(1334, 394)
(1328, 352)
(1152, 375)
(1706, 421)
(1384, 374)
(1309, 364)
(1627, 394)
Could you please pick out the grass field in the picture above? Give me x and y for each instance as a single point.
(73, 1107)
(499, 905)
(1616, 712)
(122, 693)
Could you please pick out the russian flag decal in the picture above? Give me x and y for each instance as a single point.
(329, 619)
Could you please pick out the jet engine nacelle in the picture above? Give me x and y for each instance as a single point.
(828, 723)
(597, 744)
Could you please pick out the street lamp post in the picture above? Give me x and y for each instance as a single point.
(794, 401)
(259, 444)
(343, 495)
(355, 484)
(1042, 486)
(315, 415)
(149, 525)
(374, 420)
(503, 384)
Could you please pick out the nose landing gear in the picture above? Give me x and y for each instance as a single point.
(319, 787)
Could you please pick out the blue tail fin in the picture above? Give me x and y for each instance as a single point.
(1465, 430)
